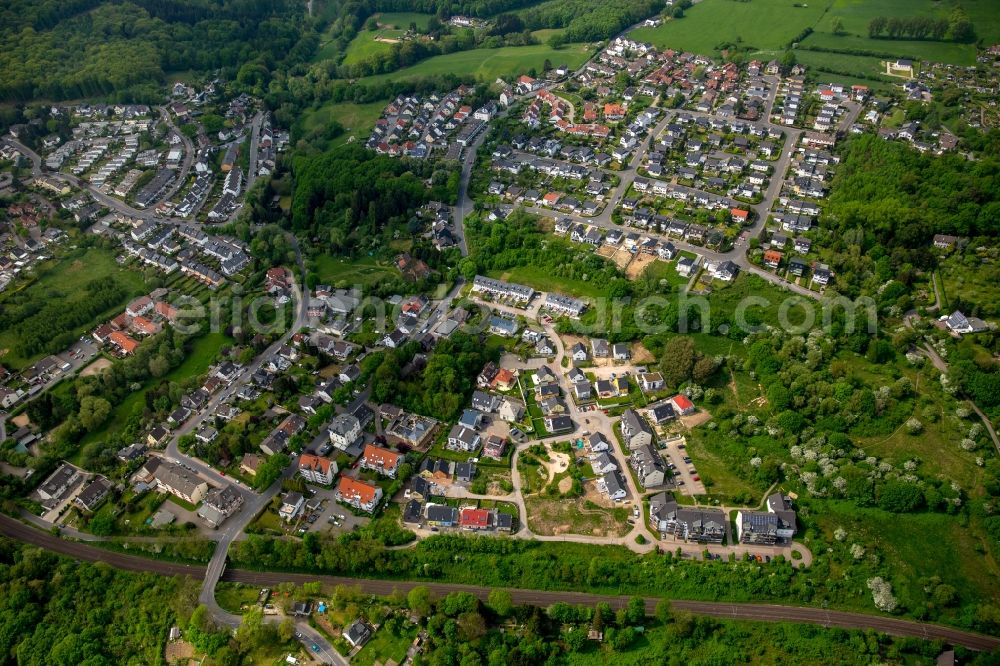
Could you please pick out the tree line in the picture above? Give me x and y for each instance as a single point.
(957, 28)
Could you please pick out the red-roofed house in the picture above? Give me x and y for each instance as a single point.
(383, 461)
(682, 404)
(121, 321)
(552, 198)
(772, 258)
(474, 519)
(103, 332)
(505, 380)
(139, 306)
(317, 469)
(614, 111)
(166, 310)
(143, 326)
(739, 215)
(124, 343)
(358, 494)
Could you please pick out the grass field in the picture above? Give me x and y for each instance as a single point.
(366, 45)
(488, 64)
(543, 280)
(768, 26)
(944, 548)
(402, 20)
(61, 279)
(763, 25)
(357, 119)
(364, 271)
(841, 62)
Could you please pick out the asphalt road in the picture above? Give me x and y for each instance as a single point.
(736, 611)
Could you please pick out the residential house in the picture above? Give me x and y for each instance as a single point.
(461, 438)
(291, 506)
(93, 494)
(381, 460)
(613, 485)
(358, 494)
(219, 504)
(635, 431)
(699, 524)
(317, 469)
(344, 430)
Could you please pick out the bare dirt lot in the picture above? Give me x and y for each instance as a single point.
(640, 354)
(638, 265)
(21, 420)
(95, 367)
(622, 258)
(180, 652)
(606, 251)
(696, 419)
(552, 517)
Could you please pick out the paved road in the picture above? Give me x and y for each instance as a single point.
(185, 169)
(739, 611)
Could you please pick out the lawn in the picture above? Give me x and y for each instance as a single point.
(384, 646)
(488, 64)
(763, 25)
(667, 271)
(60, 279)
(543, 280)
(364, 271)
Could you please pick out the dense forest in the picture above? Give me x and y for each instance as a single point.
(63, 613)
(49, 50)
(889, 200)
(349, 197)
(587, 21)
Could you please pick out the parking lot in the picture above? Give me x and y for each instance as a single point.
(684, 470)
(331, 518)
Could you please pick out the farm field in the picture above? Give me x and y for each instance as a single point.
(765, 25)
(60, 279)
(488, 64)
(768, 26)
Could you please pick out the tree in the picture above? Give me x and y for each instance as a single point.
(635, 611)
(419, 600)
(838, 26)
(877, 26)
(159, 366)
(663, 611)
(900, 497)
(500, 602)
(249, 632)
(703, 369)
(787, 60)
(93, 412)
(286, 630)
(677, 360)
